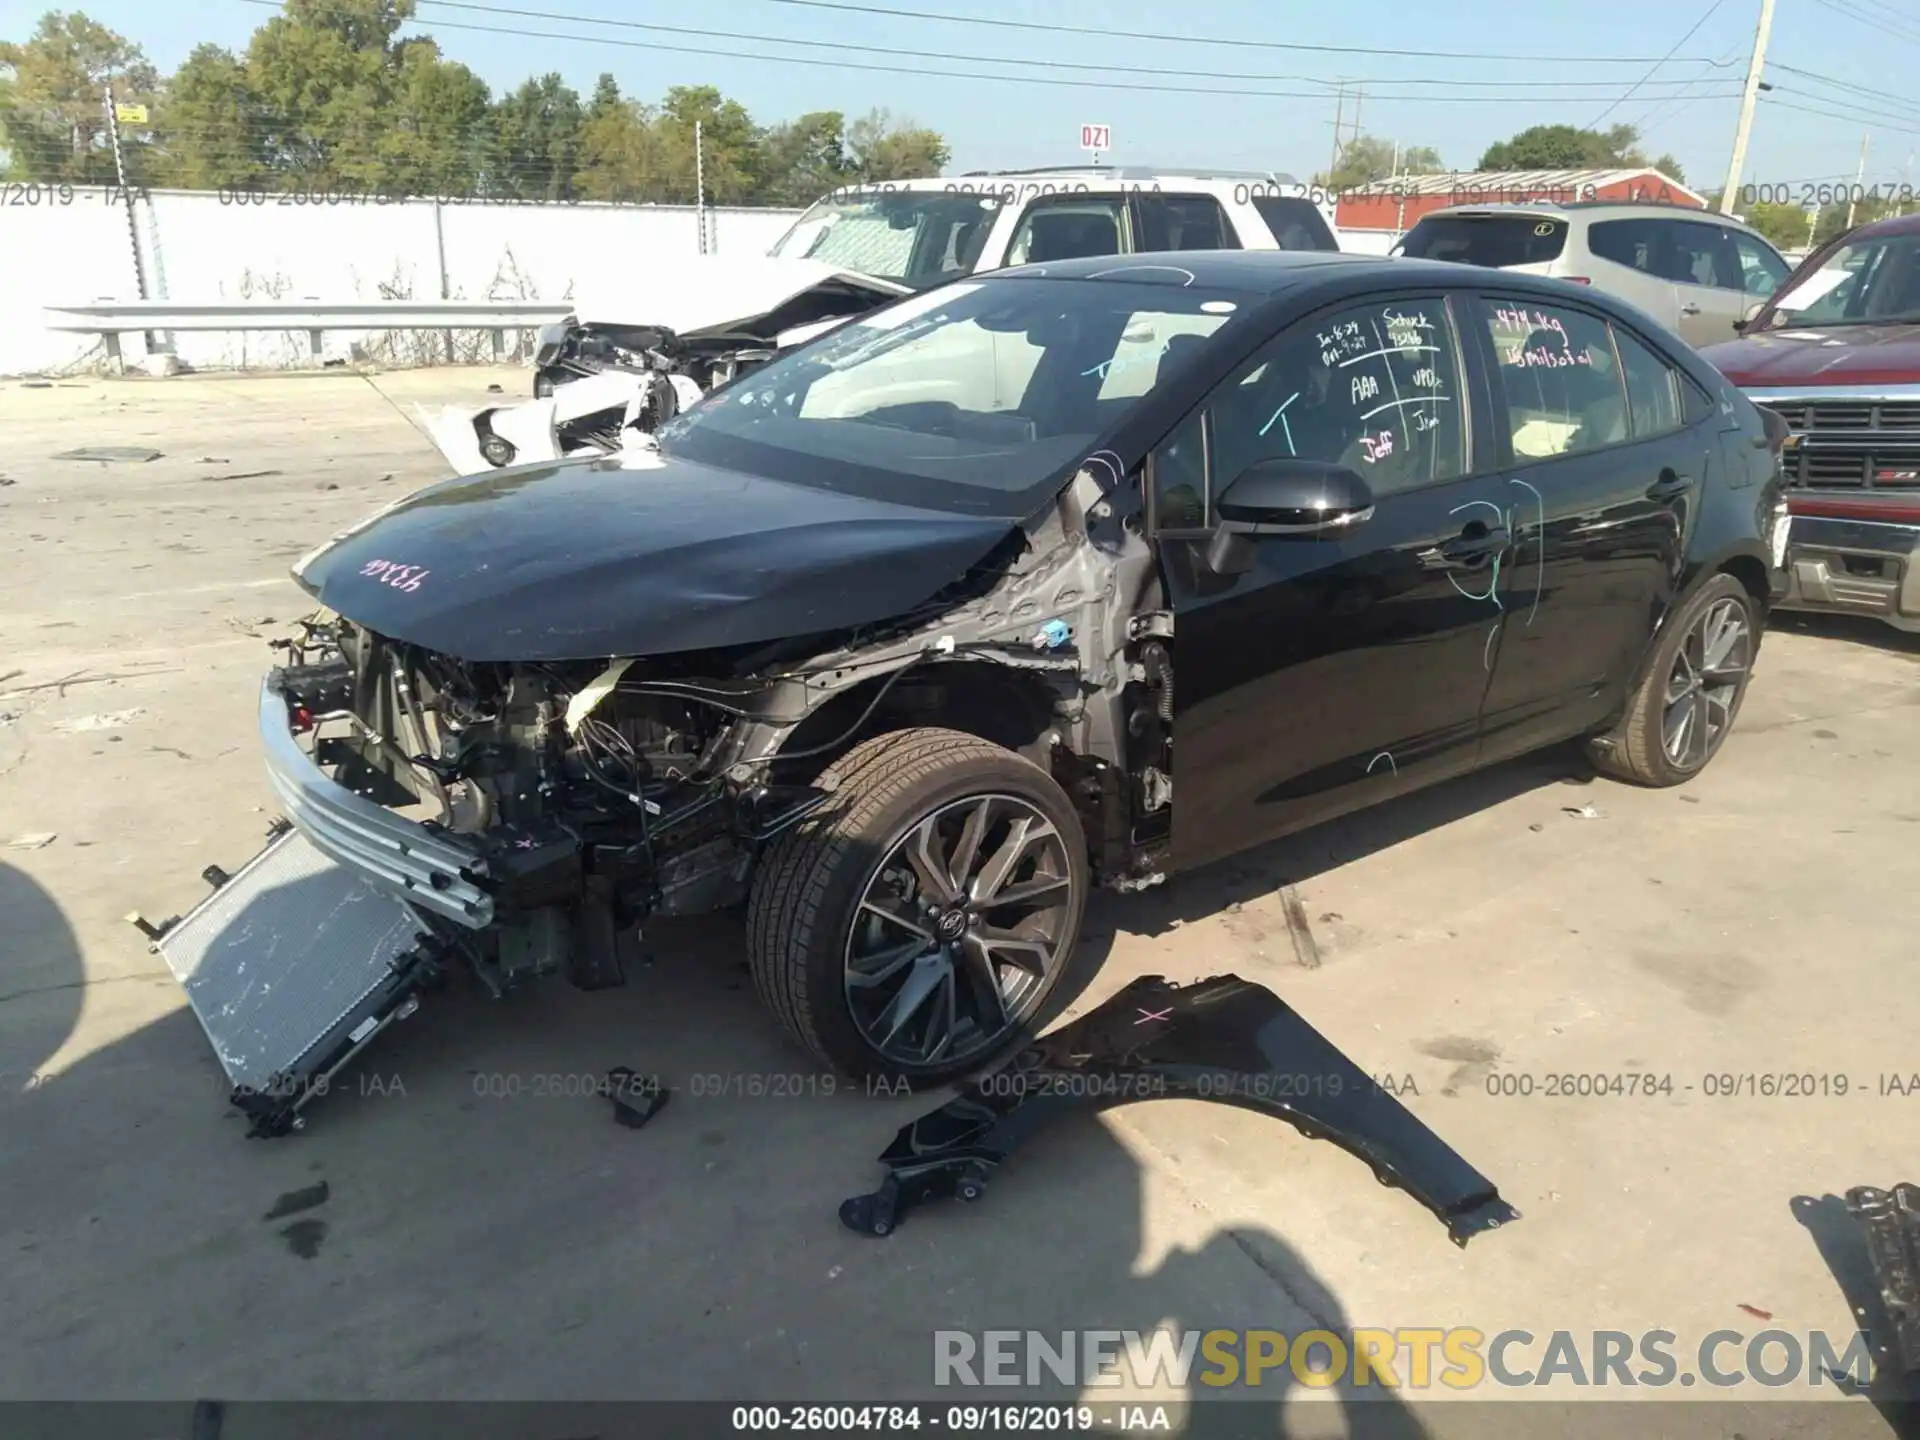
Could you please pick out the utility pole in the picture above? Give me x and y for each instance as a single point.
(1730, 196)
(1339, 111)
(1858, 177)
(700, 186)
(133, 223)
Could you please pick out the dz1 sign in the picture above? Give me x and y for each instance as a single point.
(1096, 137)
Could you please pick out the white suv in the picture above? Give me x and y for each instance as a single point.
(920, 233)
(1698, 273)
(638, 352)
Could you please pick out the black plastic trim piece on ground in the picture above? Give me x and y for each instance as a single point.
(1222, 1039)
(1891, 1220)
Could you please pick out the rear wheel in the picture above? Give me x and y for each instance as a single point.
(1685, 707)
(914, 926)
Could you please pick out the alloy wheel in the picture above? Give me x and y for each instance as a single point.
(959, 931)
(1704, 687)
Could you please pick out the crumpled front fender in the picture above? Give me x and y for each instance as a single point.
(1222, 1039)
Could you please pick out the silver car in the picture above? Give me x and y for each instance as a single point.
(1698, 272)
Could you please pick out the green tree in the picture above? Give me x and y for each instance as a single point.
(1785, 225)
(879, 148)
(1367, 158)
(1564, 147)
(536, 139)
(436, 137)
(621, 155)
(207, 124)
(729, 162)
(804, 159)
(52, 107)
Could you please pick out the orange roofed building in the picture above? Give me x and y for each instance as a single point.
(1397, 204)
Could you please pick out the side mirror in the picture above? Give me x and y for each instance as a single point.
(1289, 496)
(1753, 313)
(1284, 497)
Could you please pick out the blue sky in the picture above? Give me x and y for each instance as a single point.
(1688, 108)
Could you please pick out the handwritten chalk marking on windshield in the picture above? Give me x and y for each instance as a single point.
(1106, 367)
(1377, 447)
(1281, 415)
(1413, 400)
(1387, 756)
(1393, 350)
(1486, 650)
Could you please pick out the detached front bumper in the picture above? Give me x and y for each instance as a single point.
(431, 870)
(1854, 567)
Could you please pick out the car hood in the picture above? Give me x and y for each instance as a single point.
(752, 296)
(639, 554)
(1813, 355)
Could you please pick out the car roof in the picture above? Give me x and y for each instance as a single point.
(1592, 210)
(1270, 272)
(1890, 225)
(1093, 176)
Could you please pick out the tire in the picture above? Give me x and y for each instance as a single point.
(807, 924)
(1637, 749)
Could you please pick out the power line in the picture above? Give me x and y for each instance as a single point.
(1833, 115)
(1644, 79)
(920, 71)
(1829, 81)
(712, 34)
(1238, 42)
(1872, 22)
(1681, 100)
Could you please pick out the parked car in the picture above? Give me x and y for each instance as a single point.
(883, 639)
(1836, 354)
(639, 351)
(1695, 272)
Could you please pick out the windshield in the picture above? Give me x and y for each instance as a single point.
(1872, 281)
(959, 397)
(917, 238)
(1497, 241)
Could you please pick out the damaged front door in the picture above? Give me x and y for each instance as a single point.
(1327, 665)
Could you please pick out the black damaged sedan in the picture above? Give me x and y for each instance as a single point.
(1075, 575)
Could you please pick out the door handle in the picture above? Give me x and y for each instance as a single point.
(1670, 486)
(1689, 309)
(1466, 551)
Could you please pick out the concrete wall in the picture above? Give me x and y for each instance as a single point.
(196, 247)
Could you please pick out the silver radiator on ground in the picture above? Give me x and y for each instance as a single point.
(292, 965)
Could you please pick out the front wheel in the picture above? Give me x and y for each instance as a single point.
(1684, 709)
(913, 927)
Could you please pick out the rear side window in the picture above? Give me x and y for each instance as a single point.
(1653, 390)
(1066, 230)
(1703, 255)
(1632, 243)
(1296, 222)
(1491, 240)
(1558, 375)
(1182, 222)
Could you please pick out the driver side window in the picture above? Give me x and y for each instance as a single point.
(1374, 388)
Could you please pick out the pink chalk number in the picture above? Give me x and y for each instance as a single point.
(401, 577)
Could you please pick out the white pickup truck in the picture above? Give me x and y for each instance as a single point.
(626, 362)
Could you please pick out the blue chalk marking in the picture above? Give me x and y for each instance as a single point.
(1276, 416)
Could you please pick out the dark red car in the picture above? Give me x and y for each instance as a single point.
(1836, 354)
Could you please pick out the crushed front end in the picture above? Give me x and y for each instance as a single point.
(532, 813)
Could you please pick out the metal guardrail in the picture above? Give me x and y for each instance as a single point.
(110, 319)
